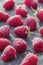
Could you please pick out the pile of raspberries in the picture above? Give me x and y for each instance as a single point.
(22, 30)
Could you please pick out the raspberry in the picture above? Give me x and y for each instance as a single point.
(15, 21)
(41, 1)
(31, 22)
(4, 31)
(8, 54)
(27, 3)
(34, 4)
(40, 15)
(8, 4)
(30, 59)
(21, 11)
(41, 31)
(31, 3)
(37, 44)
(3, 16)
(3, 43)
(20, 45)
(21, 31)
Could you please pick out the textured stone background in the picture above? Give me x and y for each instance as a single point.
(29, 48)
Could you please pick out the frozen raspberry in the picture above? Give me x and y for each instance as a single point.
(20, 45)
(21, 31)
(4, 31)
(37, 44)
(15, 21)
(41, 1)
(8, 4)
(40, 15)
(41, 31)
(3, 16)
(3, 43)
(21, 11)
(31, 3)
(31, 22)
(30, 59)
(8, 54)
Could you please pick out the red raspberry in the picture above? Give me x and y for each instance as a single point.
(3, 16)
(27, 3)
(3, 43)
(30, 59)
(15, 21)
(20, 45)
(31, 22)
(41, 1)
(8, 54)
(31, 3)
(21, 31)
(41, 31)
(37, 44)
(21, 11)
(34, 4)
(8, 4)
(4, 31)
(40, 15)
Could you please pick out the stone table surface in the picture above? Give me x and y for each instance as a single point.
(29, 48)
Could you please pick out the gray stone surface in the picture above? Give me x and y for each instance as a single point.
(12, 36)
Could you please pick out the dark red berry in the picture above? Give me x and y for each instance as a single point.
(4, 31)
(3, 43)
(21, 11)
(34, 4)
(30, 59)
(37, 44)
(40, 15)
(3, 16)
(21, 31)
(8, 54)
(15, 21)
(41, 31)
(27, 3)
(31, 22)
(31, 3)
(8, 4)
(20, 45)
